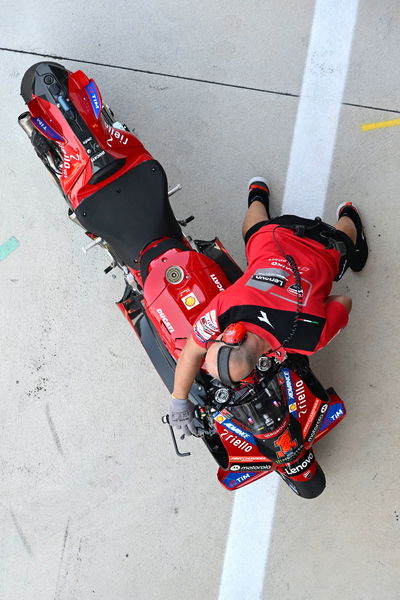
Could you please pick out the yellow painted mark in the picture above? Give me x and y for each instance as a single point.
(380, 125)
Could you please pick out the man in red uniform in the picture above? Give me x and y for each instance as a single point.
(281, 302)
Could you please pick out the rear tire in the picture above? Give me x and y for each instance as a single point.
(310, 488)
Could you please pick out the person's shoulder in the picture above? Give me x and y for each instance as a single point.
(206, 326)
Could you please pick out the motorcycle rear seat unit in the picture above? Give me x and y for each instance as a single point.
(45, 79)
(131, 212)
(49, 81)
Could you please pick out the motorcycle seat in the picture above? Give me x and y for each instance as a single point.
(131, 212)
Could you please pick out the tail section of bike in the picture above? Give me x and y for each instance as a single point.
(73, 133)
(114, 188)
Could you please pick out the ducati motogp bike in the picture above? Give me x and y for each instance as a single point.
(118, 194)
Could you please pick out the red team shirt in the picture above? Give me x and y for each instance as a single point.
(265, 298)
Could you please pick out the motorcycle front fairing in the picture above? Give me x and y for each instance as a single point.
(242, 453)
(305, 418)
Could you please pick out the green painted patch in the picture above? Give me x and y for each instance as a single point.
(8, 247)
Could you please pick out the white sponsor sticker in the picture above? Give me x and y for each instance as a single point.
(207, 326)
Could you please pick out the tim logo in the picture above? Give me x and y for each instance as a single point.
(94, 98)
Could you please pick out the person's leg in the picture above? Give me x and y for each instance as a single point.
(349, 222)
(258, 204)
(254, 214)
(346, 225)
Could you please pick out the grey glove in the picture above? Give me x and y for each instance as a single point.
(181, 414)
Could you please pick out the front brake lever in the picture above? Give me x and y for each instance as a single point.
(165, 420)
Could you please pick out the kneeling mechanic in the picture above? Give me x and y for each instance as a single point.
(282, 302)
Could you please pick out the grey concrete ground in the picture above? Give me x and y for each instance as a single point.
(93, 502)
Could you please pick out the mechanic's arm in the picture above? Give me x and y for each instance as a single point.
(345, 300)
(187, 368)
(337, 316)
(181, 410)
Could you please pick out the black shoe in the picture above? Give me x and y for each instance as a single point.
(259, 190)
(358, 257)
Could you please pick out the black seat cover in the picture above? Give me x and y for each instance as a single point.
(131, 211)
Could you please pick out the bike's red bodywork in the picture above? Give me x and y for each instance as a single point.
(77, 165)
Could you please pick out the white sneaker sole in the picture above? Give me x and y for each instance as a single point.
(254, 179)
(339, 208)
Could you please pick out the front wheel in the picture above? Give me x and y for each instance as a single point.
(307, 489)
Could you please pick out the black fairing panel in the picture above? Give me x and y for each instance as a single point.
(160, 357)
(311, 488)
(49, 81)
(131, 211)
(162, 361)
(33, 80)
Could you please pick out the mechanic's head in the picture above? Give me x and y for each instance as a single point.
(242, 359)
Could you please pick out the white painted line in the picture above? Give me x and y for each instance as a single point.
(306, 185)
(319, 107)
(248, 540)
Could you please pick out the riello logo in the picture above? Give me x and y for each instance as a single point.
(236, 441)
(115, 134)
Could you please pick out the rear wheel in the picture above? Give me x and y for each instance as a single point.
(311, 488)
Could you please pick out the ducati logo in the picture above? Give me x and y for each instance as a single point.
(265, 319)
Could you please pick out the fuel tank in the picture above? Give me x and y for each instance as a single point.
(178, 288)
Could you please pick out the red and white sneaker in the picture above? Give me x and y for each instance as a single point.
(259, 190)
(358, 258)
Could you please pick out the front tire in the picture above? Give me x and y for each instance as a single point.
(310, 488)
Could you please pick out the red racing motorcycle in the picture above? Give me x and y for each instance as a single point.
(118, 194)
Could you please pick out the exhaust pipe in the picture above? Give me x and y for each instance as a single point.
(25, 121)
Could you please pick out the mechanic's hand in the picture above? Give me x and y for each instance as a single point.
(181, 414)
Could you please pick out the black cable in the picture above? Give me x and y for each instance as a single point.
(299, 290)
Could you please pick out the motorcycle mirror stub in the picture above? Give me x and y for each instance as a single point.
(222, 396)
(264, 363)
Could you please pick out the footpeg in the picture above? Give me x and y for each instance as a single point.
(175, 189)
(184, 222)
(110, 267)
(92, 244)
